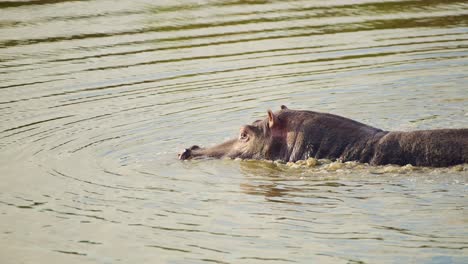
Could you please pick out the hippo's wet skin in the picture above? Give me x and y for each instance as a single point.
(291, 135)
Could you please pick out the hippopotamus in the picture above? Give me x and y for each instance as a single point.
(292, 135)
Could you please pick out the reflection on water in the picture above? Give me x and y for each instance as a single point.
(97, 97)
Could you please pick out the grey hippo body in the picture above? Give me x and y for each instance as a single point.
(292, 135)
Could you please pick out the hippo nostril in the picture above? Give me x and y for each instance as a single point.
(186, 154)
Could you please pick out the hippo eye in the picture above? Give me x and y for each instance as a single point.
(244, 136)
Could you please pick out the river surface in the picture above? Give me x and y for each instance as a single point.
(98, 97)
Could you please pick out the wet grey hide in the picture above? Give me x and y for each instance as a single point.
(291, 135)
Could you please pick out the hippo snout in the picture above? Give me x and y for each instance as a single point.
(187, 153)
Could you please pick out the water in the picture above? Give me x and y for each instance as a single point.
(98, 97)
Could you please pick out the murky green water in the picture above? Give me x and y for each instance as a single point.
(97, 98)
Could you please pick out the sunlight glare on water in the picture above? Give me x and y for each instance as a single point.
(98, 97)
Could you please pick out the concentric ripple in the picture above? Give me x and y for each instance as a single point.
(97, 97)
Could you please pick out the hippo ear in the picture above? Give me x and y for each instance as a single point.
(272, 119)
(283, 107)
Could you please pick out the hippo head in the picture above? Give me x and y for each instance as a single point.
(263, 139)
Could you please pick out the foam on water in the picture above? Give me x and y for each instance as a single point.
(98, 97)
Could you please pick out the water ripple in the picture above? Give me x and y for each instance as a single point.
(97, 98)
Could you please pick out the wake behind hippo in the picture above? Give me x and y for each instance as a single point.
(292, 135)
